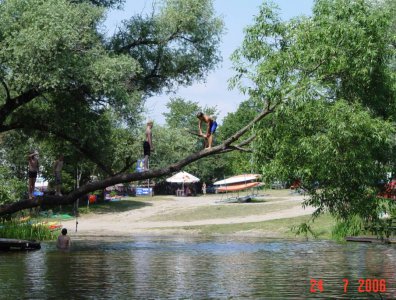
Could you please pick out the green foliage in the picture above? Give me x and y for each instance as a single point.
(172, 142)
(330, 81)
(304, 229)
(174, 47)
(182, 113)
(15, 229)
(239, 162)
(69, 90)
(342, 51)
(337, 145)
(11, 188)
(350, 227)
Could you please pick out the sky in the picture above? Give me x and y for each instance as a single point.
(237, 15)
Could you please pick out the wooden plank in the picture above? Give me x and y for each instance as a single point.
(367, 240)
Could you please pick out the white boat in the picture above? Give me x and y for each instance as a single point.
(238, 179)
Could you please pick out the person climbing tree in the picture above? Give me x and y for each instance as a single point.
(211, 126)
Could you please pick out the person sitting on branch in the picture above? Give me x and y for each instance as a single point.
(211, 126)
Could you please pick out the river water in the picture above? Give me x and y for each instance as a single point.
(181, 267)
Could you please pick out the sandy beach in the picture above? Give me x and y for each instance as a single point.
(157, 214)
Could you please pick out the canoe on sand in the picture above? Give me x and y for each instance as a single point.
(237, 187)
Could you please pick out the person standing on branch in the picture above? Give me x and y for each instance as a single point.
(33, 171)
(148, 144)
(58, 165)
(211, 126)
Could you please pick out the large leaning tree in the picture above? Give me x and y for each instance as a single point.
(64, 81)
(331, 77)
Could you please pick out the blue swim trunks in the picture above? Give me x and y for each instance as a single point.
(213, 127)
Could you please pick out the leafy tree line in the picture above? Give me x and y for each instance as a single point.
(67, 88)
(320, 95)
(331, 78)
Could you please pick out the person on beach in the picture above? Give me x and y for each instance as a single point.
(58, 165)
(204, 188)
(33, 171)
(148, 144)
(211, 126)
(63, 241)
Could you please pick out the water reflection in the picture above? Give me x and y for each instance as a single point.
(192, 268)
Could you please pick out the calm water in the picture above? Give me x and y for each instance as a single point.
(196, 268)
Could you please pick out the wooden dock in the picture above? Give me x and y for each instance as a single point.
(15, 244)
(363, 239)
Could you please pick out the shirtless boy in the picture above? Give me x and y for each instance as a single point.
(148, 144)
(210, 128)
(63, 241)
(33, 170)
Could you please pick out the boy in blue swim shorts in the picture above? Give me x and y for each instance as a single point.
(211, 126)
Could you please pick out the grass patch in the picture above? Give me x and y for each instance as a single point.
(280, 228)
(24, 230)
(108, 206)
(220, 211)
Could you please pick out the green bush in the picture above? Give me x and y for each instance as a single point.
(11, 189)
(351, 227)
(15, 229)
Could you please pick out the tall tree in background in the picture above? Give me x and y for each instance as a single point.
(62, 81)
(329, 80)
(58, 75)
(174, 141)
(239, 162)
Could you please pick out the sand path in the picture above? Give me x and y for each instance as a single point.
(139, 220)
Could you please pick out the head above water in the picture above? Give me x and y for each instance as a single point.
(64, 231)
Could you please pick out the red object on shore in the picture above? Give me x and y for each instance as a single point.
(296, 184)
(92, 199)
(390, 190)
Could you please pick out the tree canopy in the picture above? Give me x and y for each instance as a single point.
(59, 73)
(67, 88)
(330, 81)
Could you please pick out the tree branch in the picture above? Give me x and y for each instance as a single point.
(7, 90)
(16, 102)
(239, 148)
(128, 177)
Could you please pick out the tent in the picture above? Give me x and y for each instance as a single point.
(182, 177)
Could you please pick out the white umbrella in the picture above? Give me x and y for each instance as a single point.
(183, 177)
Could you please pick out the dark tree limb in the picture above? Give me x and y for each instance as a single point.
(6, 90)
(128, 177)
(13, 103)
(240, 148)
